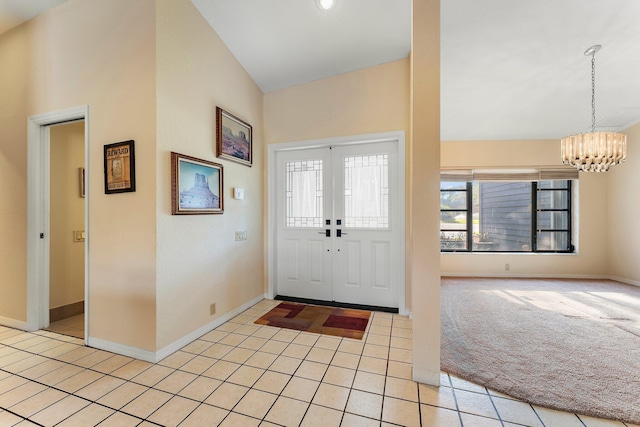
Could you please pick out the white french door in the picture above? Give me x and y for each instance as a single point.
(338, 234)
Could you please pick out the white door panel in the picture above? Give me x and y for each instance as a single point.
(303, 251)
(368, 251)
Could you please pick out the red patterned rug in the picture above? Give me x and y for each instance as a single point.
(341, 322)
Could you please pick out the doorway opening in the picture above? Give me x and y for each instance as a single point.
(58, 222)
(67, 230)
(336, 210)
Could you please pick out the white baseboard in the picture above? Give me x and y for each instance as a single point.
(545, 276)
(623, 280)
(507, 275)
(150, 356)
(177, 345)
(16, 324)
(125, 350)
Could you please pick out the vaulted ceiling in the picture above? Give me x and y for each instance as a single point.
(510, 69)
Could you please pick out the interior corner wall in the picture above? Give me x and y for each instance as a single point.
(623, 246)
(590, 198)
(199, 261)
(101, 54)
(66, 266)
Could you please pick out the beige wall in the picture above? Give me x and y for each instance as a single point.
(424, 254)
(372, 100)
(198, 260)
(13, 174)
(623, 203)
(591, 257)
(66, 268)
(101, 54)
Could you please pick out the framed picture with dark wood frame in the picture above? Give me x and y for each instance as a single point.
(196, 186)
(234, 138)
(119, 167)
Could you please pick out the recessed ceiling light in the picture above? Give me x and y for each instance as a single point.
(326, 4)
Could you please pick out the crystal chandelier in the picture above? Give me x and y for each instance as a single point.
(594, 151)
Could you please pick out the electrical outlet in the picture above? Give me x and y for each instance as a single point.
(241, 235)
(212, 309)
(506, 267)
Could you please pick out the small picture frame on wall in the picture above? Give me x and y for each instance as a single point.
(234, 138)
(119, 167)
(196, 186)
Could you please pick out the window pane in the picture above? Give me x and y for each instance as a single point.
(453, 240)
(553, 220)
(453, 185)
(366, 191)
(553, 199)
(553, 241)
(303, 193)
(503, 214)
(453, 200)
(453, 220)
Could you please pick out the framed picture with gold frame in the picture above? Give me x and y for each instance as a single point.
(119, 167)
(196, 186)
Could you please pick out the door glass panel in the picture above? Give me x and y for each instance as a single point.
(303, 194)
(366, 191)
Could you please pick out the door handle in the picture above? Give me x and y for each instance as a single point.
(340, 233)
(326, 232)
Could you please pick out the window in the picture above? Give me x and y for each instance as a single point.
(366, 191)
(505, 216)
(303, 194)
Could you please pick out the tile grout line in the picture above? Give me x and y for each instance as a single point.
(455, 400)
(537, 415)
(495, 408)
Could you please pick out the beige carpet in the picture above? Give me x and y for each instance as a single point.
(572, 345)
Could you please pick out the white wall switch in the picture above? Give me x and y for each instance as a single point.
(238, 193)
(241, 235)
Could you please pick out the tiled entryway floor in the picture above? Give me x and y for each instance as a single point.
(73, 326)
(242, 374)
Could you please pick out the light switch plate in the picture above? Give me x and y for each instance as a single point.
(241, 235)
(238, 193)
(78, 235)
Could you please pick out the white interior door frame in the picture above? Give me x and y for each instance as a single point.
(397, 137)
(38, 212)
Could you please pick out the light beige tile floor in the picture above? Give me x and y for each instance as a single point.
(72, 326)
(241, 374)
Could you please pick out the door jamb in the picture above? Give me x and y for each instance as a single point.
(397, 137)
(38, 212)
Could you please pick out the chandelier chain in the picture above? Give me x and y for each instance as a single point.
(593, 92)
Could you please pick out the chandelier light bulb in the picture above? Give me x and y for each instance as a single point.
(326, 4)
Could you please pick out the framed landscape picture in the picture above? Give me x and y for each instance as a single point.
(196, 186)
(119, 167)
(234, 138)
